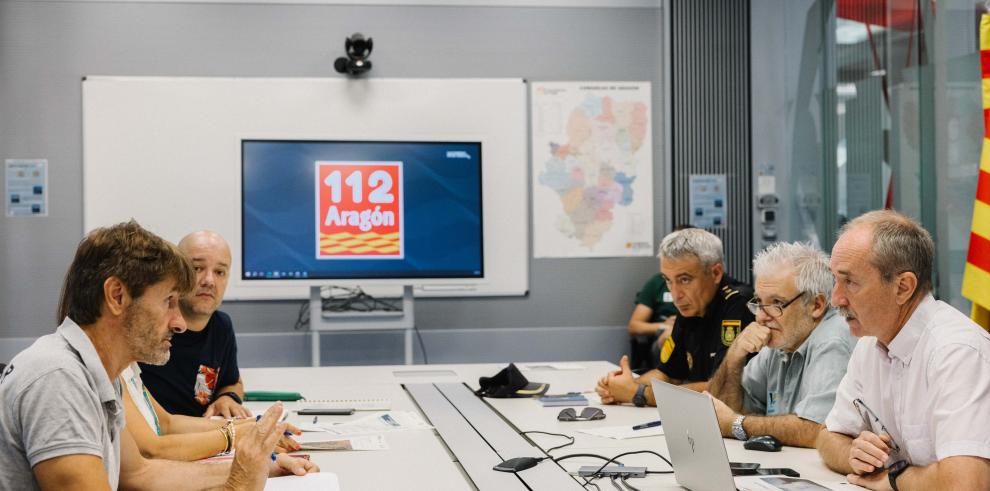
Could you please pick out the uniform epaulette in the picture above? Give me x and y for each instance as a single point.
(727, 292)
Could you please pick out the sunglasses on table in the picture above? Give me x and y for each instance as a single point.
(587, 414)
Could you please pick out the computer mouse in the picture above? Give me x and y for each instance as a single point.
(517, 464)
(763, 443)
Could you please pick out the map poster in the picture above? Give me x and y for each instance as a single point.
(592, 169)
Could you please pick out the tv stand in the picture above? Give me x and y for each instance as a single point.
(381, 320)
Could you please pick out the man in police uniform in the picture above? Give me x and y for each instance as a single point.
(712, 308)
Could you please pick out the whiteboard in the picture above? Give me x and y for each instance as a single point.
(166, 152)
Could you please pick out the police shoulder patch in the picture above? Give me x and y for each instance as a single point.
(730, 329)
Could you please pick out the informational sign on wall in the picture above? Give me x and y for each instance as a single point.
(27, 187)
(707, 198)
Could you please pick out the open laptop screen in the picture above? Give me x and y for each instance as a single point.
(690, 427)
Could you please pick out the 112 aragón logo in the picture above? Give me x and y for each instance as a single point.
(359, 210)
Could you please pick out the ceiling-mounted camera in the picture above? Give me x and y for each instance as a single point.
(358, 50)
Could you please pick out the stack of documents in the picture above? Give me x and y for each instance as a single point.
(777, 483)
(623, 432)
(318, 441)
(325, 481)
(378, 423)
(373, 404)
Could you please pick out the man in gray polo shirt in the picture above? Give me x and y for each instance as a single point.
(802, 348)
(61, 416)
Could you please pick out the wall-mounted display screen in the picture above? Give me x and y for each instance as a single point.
(361, 210)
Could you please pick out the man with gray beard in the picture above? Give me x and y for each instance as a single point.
(801, 345)
(60, 426)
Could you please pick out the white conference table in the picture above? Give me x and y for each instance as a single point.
(419, 459)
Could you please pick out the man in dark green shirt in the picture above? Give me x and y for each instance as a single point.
(651, 322)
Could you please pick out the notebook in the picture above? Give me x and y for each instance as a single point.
(569, 399)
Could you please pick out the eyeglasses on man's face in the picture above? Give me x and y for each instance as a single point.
(774, 310)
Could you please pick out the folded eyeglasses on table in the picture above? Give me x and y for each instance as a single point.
(587, 414)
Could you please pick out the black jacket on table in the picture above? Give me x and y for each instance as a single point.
(697, 345)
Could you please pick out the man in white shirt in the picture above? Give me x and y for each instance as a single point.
(911, 412)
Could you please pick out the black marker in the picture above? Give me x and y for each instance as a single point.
(644, 426)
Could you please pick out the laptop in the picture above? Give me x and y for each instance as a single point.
(693, 438)
(697, 450)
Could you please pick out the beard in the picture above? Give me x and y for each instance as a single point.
(139, 330)
(196, 307)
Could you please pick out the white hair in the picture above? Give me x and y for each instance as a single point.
(809, 265)
(704, 245)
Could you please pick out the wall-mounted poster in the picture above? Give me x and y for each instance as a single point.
(592, 169)
(27, 187)
(707, 199)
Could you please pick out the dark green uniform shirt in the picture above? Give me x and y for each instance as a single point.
(652, 296)
(697, 345)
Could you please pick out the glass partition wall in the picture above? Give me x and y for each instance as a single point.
(867, 104)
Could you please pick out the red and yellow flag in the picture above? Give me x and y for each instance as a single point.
(976, 280)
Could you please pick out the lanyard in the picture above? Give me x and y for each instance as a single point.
(158, 429)
(151, 407)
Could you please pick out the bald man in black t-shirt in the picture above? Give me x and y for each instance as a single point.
(201, 378)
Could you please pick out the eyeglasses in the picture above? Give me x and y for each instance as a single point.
(772, 309)
(587, 414)
(869, 417)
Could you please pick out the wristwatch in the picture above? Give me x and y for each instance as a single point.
(896, 469)
(639, 400)
(232, 395)
(737, 428)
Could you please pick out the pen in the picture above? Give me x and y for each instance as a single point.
(644, 426)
